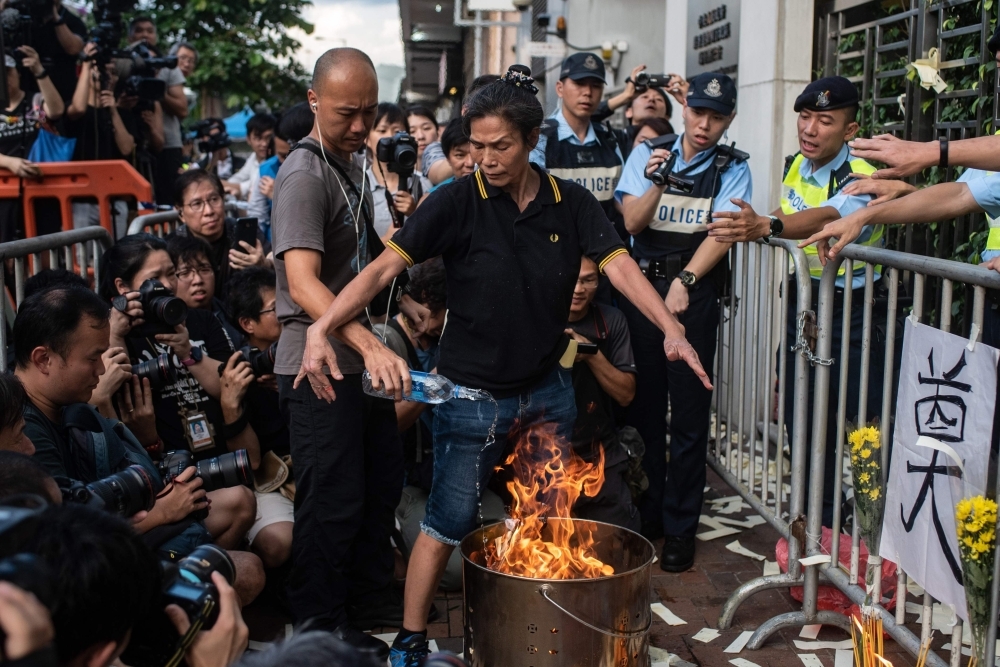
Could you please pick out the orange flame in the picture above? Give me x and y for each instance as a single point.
(548, 479)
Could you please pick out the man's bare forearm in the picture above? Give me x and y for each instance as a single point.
(625, 275)
(803, 224)
(638, 211)
(359, 292)
(938, 202)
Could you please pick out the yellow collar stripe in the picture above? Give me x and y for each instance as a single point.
(555, 188)
(607, 260)
(479, 182)
(402, 253)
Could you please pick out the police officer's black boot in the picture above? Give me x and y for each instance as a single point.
(678, 554)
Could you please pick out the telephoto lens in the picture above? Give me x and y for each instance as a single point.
(126, 492)
(159, 371)
(261, 361)
(221, 472)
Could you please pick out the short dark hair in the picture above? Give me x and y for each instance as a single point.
(51, 317)
(313, 648)
(666, 100)
(260, 123)
(12, 402)
(104, 576)
(453, 135)
(296, 123)
(514, 104)
(187, 249)
(480, 82)
(659, 125)
(423, 112)
(428, 283)
(392, 113)
(140, 18)
(21, 474)
(125, 259)
(243, 297)
(193, 177)
(47, 278)
(335, 57)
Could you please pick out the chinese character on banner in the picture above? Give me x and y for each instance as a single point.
(940, 453)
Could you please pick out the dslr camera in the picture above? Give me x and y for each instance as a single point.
(161, 310)
(399, 152)
(222, 472)
(211, 134)
(140, 66)
(125, 493)
(19, 17)
(158, 370)
(261, 361)
(644, 81)
(662, 174)
(187, 584)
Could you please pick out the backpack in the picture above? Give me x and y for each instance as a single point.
(101, 446)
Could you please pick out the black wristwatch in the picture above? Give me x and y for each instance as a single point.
(62, 18)
(687, 278)
(777, 226)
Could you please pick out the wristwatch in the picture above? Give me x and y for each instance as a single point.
(197, 354)
(687, 278)
(777, 226)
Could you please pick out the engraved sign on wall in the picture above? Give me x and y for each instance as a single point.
(713, 37)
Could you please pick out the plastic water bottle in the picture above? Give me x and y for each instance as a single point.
(426, 388)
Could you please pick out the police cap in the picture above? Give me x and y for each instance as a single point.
(581, 66)
(712, 90)
(832, 92)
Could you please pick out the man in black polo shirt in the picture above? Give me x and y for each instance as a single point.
(512, 238)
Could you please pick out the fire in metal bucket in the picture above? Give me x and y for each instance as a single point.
(547, 480)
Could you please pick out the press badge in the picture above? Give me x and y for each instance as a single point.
(198, 431)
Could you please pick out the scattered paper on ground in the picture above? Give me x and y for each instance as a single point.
(669, 617)
(811, 631)
(847, 644)
(815, 560)
(913, 588)
(739, 643)
(810, 660)
(740, 662)
(942, 617)
(749, 522)
(770, 568)
(706, 635)
(843, 659)
(728, 505)
(738, 548)
(718, 529)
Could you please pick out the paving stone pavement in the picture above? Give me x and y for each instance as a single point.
(697, 596)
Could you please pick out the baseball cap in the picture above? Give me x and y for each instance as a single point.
(831, 92)
(581, 66)
(712, 90)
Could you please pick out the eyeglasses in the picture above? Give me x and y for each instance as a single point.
(188, 274)
(269, 310)
(199, 204)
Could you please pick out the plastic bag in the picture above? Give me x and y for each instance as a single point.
(829, 598)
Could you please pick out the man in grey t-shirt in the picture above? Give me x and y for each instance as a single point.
(348, 456)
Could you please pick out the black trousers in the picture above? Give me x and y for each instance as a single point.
(876, 375)
(348, 464)
(168, 164)
(675, 489)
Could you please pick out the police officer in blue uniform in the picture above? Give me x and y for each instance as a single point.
(668, 224)
(574, 147)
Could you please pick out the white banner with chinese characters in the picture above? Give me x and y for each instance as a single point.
(940, 453)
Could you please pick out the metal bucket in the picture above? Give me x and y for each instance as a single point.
(519, 622)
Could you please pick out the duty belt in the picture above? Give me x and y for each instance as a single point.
(665, 269)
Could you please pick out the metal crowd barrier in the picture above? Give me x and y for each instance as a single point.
(164, 223)
(753, 352)
(87, 245)
(753, 327)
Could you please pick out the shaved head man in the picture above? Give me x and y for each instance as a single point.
(348, 458)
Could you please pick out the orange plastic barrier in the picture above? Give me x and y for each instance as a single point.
(67, 181)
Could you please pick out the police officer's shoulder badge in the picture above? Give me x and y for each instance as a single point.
(590, 62)
(713, 89)
(823, 99)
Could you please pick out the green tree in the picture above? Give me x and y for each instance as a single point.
(245, 50)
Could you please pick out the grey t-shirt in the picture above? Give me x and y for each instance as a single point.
(171, 123)
(309, 211)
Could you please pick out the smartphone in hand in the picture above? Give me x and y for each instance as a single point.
(246, 230)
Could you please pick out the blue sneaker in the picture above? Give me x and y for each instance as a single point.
(409, 653)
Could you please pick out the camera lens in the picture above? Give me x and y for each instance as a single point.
(126, 492)
(203, 561)
(406, 155)
(158, 371)
(642, 79)
(167, 309)
(261, 361)
(225, 471)
(174, 463)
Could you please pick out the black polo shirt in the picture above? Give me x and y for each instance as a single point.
(511, 275)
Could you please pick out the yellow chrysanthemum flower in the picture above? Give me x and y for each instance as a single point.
(864, 477)
(875, 493)
(865, 453)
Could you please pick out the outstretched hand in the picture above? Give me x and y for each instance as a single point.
(882, 189)
(843, 231)
(738, 226)
(904, 158)
(318, 354)
(678, 349)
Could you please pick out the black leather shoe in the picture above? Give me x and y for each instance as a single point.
(383, 609)
(678, 554)
(372, 646)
